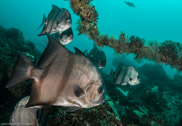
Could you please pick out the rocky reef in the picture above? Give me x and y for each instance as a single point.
(12, 41)
(97, 116)
(168, 52)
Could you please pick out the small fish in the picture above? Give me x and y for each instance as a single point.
(97, 56)
(24, 116)
(129, 4)
(65, 37)
(61, 79)
(125, 75)
(58, 20)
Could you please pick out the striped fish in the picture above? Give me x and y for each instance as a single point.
(65, 37)
(61, 79)
(58, 20)
(125, 75)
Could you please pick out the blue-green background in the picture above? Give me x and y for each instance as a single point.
(152, 20)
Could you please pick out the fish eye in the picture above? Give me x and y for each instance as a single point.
(131, 79)
(100, 89)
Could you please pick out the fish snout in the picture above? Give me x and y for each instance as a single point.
(102, 94)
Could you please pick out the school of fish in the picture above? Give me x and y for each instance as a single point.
(63, 78)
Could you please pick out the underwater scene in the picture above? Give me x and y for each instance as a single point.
(90, 63)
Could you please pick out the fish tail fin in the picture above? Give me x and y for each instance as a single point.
(43, 21)
(22, 70)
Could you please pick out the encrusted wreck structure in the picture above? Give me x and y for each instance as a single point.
(168, 52)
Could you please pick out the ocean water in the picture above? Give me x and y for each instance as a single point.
(152, 20)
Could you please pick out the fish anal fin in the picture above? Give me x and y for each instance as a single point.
(35, 97)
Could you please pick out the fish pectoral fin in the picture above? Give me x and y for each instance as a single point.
(78, 91)
(22, 70)
(72, 109)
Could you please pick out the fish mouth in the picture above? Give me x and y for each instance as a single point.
(101, 100)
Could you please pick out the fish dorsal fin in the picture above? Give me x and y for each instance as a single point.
(44, 21)
(77, 51)
(53, 50)
(95, 47)
(93, 51)
(55, 7)
(78, 91)
(85, 52)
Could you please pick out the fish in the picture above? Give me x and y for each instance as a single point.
(58, 20)
(65, 37)
(24, 116)
(129, 4)
(125, 75)
(97, 56)
(61, 78)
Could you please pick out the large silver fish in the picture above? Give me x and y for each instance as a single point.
(61, 79)
(58, 20)
(65, 37)
(125, 75)
(22, 116)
